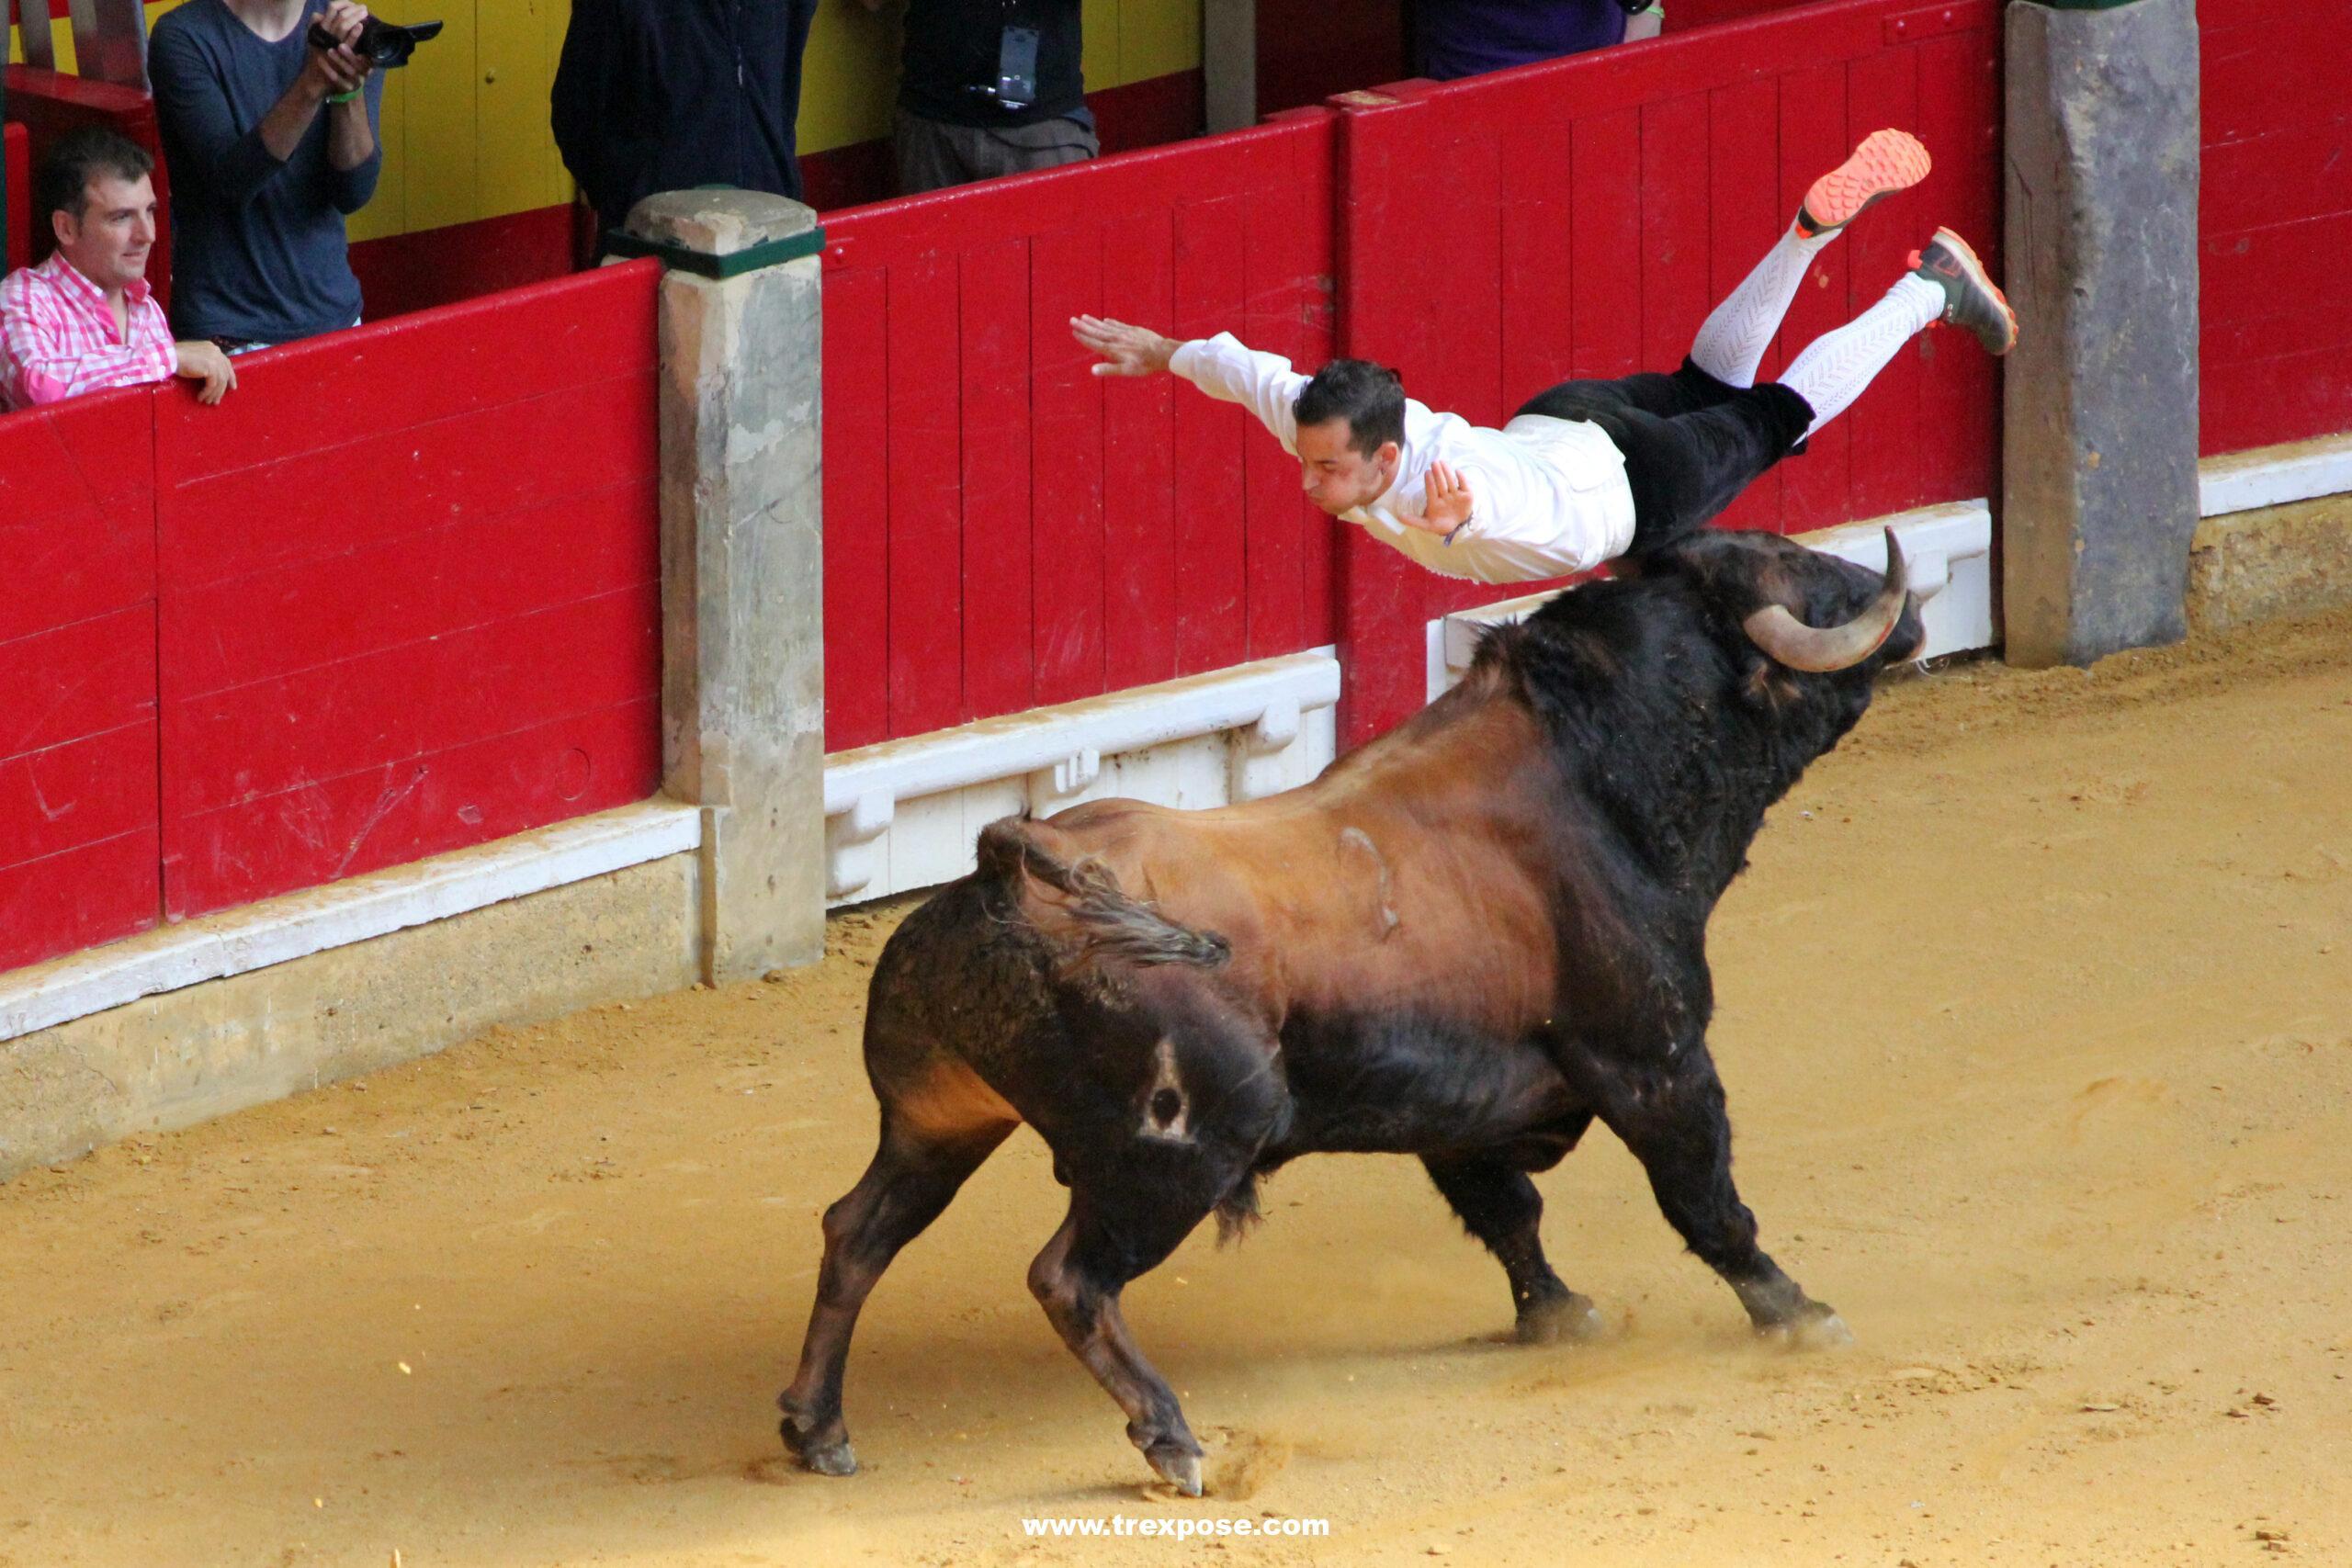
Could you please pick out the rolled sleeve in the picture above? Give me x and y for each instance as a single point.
(1263, 383)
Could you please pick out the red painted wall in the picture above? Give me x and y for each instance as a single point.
(2276, 338)
(1003, 529)
(410, 590)
(78, 824)
(1580, 218)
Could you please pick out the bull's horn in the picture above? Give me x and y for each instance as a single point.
(1824, 648)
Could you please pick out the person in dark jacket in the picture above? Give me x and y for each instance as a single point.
(1464, 38)
(988, 87)
(667, 95)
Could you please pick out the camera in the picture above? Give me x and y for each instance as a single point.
(380, 43)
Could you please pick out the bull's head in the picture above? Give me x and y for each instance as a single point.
(1803, 609)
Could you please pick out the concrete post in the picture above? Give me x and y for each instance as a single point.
(742, 567)
(2099, 448)
(1230, 64)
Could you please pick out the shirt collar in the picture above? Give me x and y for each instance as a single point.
(66, 275)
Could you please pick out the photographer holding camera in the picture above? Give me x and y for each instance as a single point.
(268, 111)
(988, 87)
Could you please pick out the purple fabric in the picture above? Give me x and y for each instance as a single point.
(1461, 37)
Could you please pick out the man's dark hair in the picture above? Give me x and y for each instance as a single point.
(1368, 396)
(76, 158)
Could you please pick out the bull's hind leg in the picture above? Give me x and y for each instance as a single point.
(1672, 1117)
(1499, 1205)
(915, 1173)
(1077, 1279)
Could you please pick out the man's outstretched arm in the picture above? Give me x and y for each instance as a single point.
(1219, 365)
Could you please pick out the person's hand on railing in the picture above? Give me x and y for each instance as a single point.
(1126, 350)
(203, 361)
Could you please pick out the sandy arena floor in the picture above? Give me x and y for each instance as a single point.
(2036, 1019)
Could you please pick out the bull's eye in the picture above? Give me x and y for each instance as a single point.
(1166, 1106)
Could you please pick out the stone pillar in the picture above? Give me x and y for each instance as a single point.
(1230, 64)
(2099, 444)
(743, 564)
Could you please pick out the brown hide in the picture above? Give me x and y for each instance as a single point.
(1413, 876)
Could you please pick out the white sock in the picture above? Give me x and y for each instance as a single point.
(1835, 368)
(1732, 341)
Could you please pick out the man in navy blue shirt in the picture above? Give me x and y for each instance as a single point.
(271, 143)
(667, 95)
(1462, 38)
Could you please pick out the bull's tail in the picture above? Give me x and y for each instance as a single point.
(1103, 920)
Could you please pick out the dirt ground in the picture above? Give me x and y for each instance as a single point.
(2037, 1019)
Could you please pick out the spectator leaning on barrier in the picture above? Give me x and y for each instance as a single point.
(85, 319)
(667, 95)
(271, 144)
(988, 87)
(1464, 37)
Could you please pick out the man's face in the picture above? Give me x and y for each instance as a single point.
(1338, 478)
(109, 242)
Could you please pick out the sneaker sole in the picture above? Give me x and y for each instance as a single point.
(1886, 162)
(1974, 267)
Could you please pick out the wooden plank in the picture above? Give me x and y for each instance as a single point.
(412, 588)
(1814, 490)
(1211, 629)
(515, 72)
(402, 811)
(1606, 273)
(2286, 69)
(1538, 260)
(84, 791)
(1065, 455)
(1275, 266)
(1745, 222)
(2302, 171)
(857, 509)
(994, 282)
(1676, 282)
(1140, 500)
(1884, 424)
(2253, 273)
(396, 480)
(1313, 177)
(926, 676)
(77, 518)
(115, 896)
(415, 370)
(443, 136)
(83, 678)
(1960, 116)
(288, 733)
(2260, 403)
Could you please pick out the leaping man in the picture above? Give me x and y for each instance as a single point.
(1592, 470)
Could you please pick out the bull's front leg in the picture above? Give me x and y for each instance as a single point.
(1670, 1113)
(1501, 1206)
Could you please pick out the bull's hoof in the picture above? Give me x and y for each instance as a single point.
(1569, 1318)
(1177, 1467)
(1817, 1329)
(826, 1458)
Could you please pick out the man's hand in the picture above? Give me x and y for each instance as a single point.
(1445, 504)
(339, 70)
(1126, 350)
(202, 361)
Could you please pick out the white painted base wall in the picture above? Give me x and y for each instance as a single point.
(905, 814)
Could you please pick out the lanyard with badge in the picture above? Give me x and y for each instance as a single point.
(1016, 61)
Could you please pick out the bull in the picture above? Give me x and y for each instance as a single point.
(1463, 942)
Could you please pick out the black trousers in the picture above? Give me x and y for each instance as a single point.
(1691, 443)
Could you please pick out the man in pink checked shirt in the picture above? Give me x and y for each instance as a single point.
(85, 319)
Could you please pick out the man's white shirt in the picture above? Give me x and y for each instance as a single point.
(1548, 496)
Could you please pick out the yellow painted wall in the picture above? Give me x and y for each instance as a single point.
(465, 125)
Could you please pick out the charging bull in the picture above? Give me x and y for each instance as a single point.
(1463, 942)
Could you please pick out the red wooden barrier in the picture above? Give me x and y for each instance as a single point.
(17, 219)
(2276, 332)
(1002, 530)
(77, 676)
(410, 589)
(1579, 217)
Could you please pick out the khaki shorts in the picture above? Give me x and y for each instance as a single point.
(933, 155)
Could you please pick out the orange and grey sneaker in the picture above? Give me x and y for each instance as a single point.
(1971, 300)
(1886, 162)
